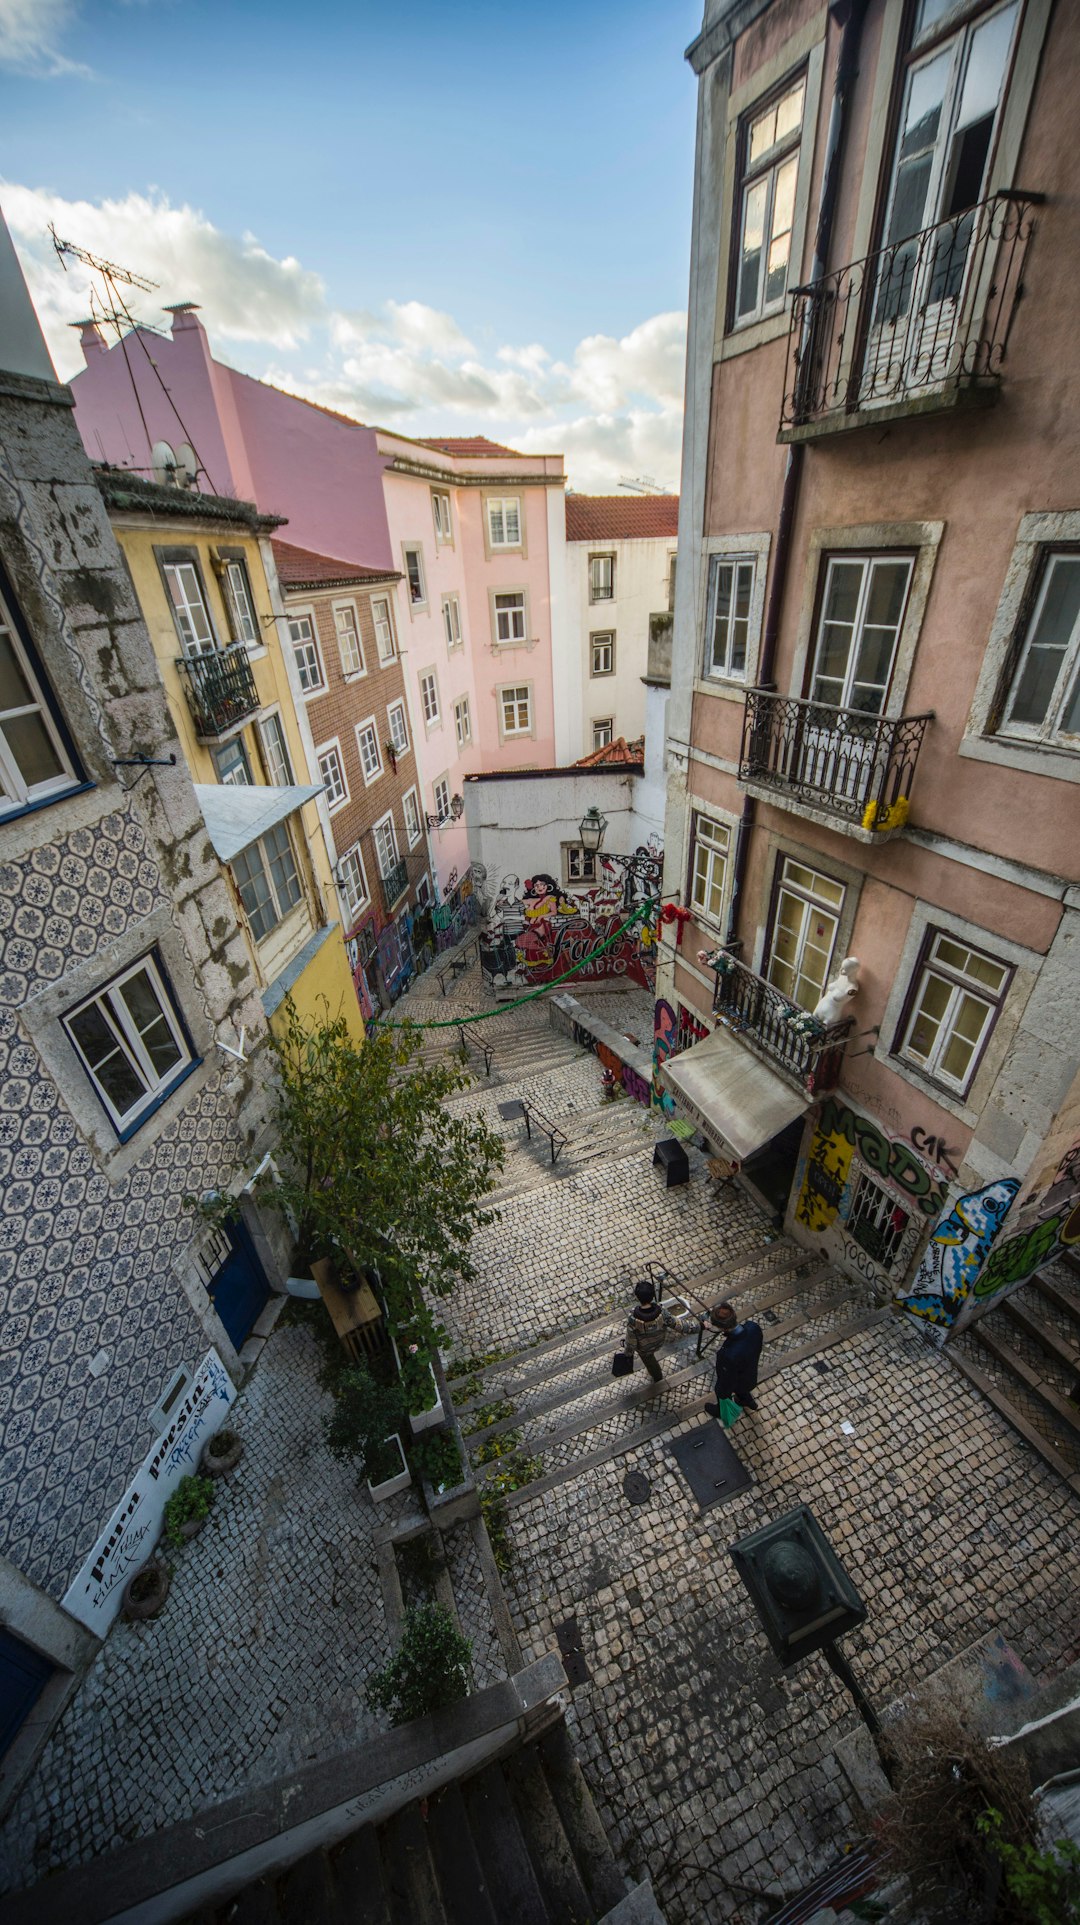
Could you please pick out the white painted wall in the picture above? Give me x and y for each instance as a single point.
(642, 572)
(22, 344)
(517, 825)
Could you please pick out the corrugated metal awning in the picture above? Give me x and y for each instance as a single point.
(731, 1094)
(236, 815)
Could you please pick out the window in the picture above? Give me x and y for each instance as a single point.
(672, 567)
(806, 917)
(333, 775)
(410, 809)
(441, 793)
(516, 708)
(862, 609)
(348, 636)
(189, 610)
(414, 575)
(602, 732)
(384, 627)
(440, 509)
(709, 866)
(352, 883)
(504, 522)
(423, 892)
(275, 753)
(462, 721)
(451, 614)
(399, 728)
(267, 880)
(131, 1042)
(1044, 704)
(602, 648)
(579, 865)
(367, 741)
(510, 617)
(727, 619)
(36, 761)
(234, 581)
(429, 698)
(601, 578)
(385, 836)
(876, 1221)
(770, 171)
(231, 763)
(957, 996)
(306, 655)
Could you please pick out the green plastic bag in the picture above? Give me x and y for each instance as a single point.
(727, 1411)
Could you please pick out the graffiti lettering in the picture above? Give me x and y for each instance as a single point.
(859, 1260)
(935, 1148)
(889, 1156)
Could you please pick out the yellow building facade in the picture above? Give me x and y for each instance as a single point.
(236, 696)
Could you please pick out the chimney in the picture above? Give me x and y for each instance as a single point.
(91, 339)
(184, 315)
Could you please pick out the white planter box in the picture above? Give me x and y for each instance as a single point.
(400, 1480)
(422, 1420)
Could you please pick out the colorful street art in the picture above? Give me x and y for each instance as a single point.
(841, 1131)
(537, 931)
(665, 1044)
(1047, 1224)
(956, 1253)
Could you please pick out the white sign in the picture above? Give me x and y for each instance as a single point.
(135, 1526)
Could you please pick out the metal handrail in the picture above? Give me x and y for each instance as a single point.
(478, 1048)
(547, 1128)
(220, 688)
(810, 1051)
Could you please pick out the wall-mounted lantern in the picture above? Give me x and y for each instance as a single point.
(591, 829)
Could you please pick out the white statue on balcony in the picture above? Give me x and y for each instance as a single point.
(838, 994)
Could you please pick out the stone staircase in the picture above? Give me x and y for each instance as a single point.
(1024, 1355)
(518, 1840)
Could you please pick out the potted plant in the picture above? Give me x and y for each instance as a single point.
(146, 1591)
(388, 1472)
(363, 1426)
(188, 1509)
(221, 1453)
(421, 1391)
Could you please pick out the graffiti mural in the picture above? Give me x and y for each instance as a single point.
(537, 930)
(665, 1044)
(1047, 1224)
(956, 1254)
(839, 1133)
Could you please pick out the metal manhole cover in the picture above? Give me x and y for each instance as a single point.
(709, 1465)
(568, 1636)
(636, 1487)
(508, 1111)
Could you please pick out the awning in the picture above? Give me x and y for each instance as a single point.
(731, 1094)
(237, 814)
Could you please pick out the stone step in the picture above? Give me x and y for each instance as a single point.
(1037, 1424)
(1006, 1349)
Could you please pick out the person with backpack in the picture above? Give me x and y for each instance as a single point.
(649, 1326)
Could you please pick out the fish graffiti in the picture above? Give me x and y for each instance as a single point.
(956, 1253)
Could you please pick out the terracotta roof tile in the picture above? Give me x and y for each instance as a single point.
(476, 445)
(615, 754)
(621, 517)
(302, 568)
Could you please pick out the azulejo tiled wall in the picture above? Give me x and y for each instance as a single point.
(86, 1262)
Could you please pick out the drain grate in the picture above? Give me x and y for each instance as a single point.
(636, 1487)
(568, 1636)
(508, 1111)
(709, 1465)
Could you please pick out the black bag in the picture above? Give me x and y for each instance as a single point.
(622, 1363)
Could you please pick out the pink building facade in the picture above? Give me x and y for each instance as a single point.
(874, 730)
(475, 530)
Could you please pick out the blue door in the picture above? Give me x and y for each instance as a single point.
(23, 1676)
(238, 1288)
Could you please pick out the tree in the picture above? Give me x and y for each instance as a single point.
(429, 1670)
(372, 1167)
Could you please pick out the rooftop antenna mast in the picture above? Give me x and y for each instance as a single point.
(110, 273)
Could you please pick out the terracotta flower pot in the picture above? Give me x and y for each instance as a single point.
(146, 1591)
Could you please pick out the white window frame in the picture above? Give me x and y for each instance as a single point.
(352, 669)
(182, 606)
(235, 749)
(430, 709)
(580, 865)
(129, 1042)
(509, 699)
(870, 564)
(462, 721)
(385, 826)
(765, 170)
(1066, 689)
(276, 895)
(510, 617)
(603, 731)
(307, 653)
(504, 521)
(933, 968)
(275, 754)
(364, 730)
(236, 588)
(399, 736)
(15, 791)
(337, 792)
(719, 665)
(410, 807)
(440, 795)
(601, 569)
(703, 874)
(601, 646)
(440, 513)
(451, 612)
(814, 901)
(383, 623)
(415, 548)
(352, 884)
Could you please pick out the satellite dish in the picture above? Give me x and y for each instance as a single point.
(187, 463)
(163, 463)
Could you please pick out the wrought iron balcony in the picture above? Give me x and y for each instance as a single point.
(808, 1051)
(913, 325)
(394, 884)
(220, 690)
(858, 769)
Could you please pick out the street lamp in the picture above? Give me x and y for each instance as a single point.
(591, 829)
(803, 1596)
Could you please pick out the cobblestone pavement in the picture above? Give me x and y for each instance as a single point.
(258, 1661)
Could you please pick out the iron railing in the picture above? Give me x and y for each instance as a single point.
(394, 883)
(220, 690)
(856, 766)
(810, 1051)
(917, 318)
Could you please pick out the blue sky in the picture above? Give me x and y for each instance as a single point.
(477, 217)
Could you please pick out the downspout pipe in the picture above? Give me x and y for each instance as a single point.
(846, 70)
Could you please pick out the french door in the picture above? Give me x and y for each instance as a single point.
(862, 610)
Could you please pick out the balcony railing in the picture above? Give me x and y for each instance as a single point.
(808, 1051)
(220, 690)
(394, 884)
(913, 322)
(860, 768)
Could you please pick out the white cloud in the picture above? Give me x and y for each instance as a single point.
(29, 33)
(614, 408)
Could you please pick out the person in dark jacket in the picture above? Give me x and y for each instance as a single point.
(737, 1358)
(648, 1326)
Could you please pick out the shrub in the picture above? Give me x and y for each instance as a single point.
(438, 1457)
(1043, 1886)
(365, 1414)
(189, 1504)
(430, 1669)
(417, 1381)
